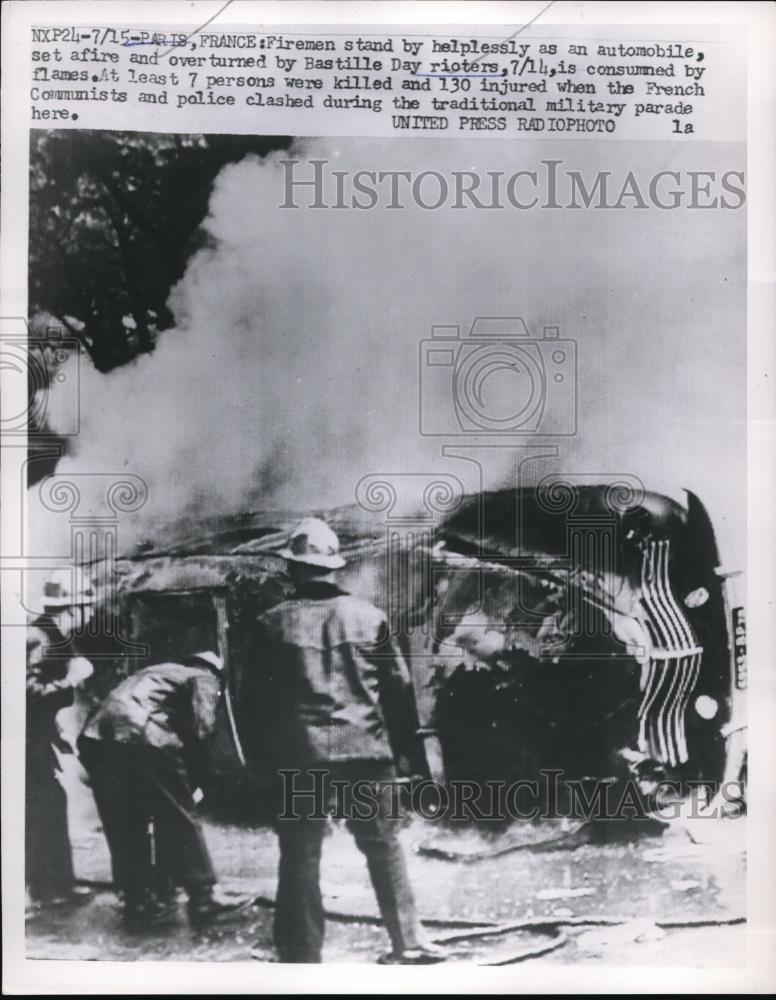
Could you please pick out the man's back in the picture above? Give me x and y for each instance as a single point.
(324, 662)
(166, 705)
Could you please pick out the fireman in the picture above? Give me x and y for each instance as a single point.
(54, 671)
(144, 749)
(326, 672)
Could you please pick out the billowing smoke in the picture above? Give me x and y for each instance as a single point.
(294, 367)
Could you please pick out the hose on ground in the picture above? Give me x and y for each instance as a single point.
(565, 841)
(461, 930)
(532, 951)
(550, 923)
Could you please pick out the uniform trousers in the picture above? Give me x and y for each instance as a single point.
(299, 915)
(137, 786)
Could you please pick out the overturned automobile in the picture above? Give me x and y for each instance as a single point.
(569, 628)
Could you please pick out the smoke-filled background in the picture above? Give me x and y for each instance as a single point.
(293, 369)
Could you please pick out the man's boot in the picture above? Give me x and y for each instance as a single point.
(209, 905)
(425, 954)
(144, 913)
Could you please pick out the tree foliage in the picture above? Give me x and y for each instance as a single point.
(114, 217)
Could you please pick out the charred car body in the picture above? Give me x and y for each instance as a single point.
(564, 627)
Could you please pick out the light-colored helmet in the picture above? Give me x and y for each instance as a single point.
(210, 658)
(68, 588)
(313, 543)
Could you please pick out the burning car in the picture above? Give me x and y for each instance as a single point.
(580, 628)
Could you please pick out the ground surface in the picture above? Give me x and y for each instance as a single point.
(649, 880)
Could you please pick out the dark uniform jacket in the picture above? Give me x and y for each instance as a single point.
(327, 674)
(48, 655)
(167, 706)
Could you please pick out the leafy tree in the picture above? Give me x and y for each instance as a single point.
(114, 218)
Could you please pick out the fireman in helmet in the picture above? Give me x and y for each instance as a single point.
(326, 672)
(145, 750)
(54, 671)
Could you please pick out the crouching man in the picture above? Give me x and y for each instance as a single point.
(144, 749)
(325, 663)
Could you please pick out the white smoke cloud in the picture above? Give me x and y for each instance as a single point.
(293, 369)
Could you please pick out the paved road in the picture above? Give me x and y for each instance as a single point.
(645, 881)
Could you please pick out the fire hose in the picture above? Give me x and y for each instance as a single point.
(567, 839)
(461, 931)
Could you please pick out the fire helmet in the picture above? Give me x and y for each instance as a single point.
(210, 658)
(313, 543)
(68, 588)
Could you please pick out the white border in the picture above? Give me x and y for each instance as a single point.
(759, 976)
